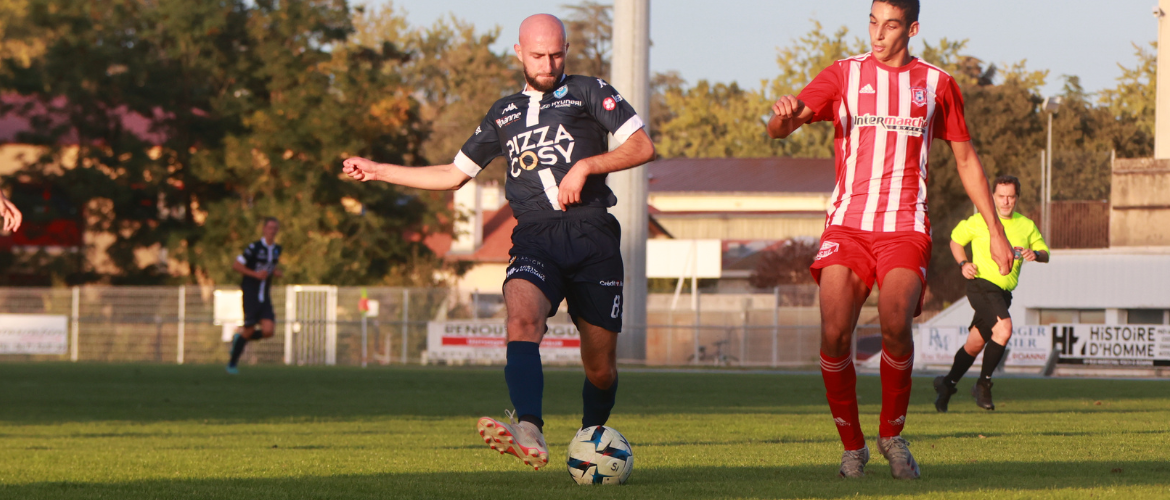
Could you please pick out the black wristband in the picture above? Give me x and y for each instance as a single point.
(961, 264)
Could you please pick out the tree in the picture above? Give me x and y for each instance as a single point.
(590, 29)
(251, 107)
(786, 264)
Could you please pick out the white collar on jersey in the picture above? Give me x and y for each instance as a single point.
(265, 242)
(537, 93)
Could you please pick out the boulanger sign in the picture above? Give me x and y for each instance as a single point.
(1117, 345)
(1029, 345)
(33, 334)
(487, 340)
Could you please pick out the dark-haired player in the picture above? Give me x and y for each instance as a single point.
(989, 293)
(258, 265)
(886, 107)
(555, 136)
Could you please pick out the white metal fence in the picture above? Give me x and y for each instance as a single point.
(323, 325)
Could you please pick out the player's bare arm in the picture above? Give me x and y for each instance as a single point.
(975, 183)
(432, 178)
(960, 254)
(11, 215)
(242, 269)
(788, 114)
(637, 150)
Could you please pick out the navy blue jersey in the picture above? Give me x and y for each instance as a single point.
(257, 257)
(543, 136)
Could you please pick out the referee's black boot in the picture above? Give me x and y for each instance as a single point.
(982, 392)
(944, 391)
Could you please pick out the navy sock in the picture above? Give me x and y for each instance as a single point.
(525, 379)
(963, 362)
(992, 354)
(257, 335)
(238, 343)
(598, 403)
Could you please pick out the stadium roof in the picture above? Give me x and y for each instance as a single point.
(742, 175)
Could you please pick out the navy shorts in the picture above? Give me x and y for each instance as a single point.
(574, 255)
(255, 310)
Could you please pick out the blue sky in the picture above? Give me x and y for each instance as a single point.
(736, 40)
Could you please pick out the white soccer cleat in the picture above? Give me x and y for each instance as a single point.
(522, 439)
(853, 463)
(897, 451)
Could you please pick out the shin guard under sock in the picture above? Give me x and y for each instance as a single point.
(963, 362)
(896, 383)
(598, 403)
(992, 355)
(841, 392)
(525, 378)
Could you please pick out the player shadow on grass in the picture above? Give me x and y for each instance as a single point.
(1042, 478)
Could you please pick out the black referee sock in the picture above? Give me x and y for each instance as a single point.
(598, 403)
(992, 354)
(963, 362)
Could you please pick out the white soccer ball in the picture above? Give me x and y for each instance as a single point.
(600, 455)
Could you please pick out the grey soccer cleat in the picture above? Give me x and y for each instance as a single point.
(944, 391)
(982, 392)
(853, 463)
(897, 451)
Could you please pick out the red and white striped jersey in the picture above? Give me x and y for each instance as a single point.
(885, 120)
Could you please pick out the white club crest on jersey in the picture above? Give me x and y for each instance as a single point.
(867, 89)
(561, 92)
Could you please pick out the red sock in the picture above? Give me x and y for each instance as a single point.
(841, 391)
(895, 392)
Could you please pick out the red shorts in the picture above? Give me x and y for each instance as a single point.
(871, 255)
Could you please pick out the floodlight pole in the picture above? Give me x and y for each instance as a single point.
(631, 76)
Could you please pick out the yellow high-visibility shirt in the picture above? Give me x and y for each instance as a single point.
(1021, 232)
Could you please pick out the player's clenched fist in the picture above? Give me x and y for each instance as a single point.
(360, 169)
(787, 107)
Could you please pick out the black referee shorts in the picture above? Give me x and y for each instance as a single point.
(991, 304)
(574, 255)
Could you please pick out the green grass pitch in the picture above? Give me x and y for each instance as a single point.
(166, 432)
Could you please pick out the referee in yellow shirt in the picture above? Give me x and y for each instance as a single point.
(988, 292)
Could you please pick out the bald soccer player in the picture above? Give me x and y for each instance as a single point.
(555, 136)
(887, 107)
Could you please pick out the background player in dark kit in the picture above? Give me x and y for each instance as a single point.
(886, 107)
(988, 292)
(258, 265)
(554, 135)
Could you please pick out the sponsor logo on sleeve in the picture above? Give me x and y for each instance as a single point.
(609, 104)
(511, 107)
(601, 83)
(478, 130)
(867, 89)
(918, 96)
(561, 92)
(827, 248)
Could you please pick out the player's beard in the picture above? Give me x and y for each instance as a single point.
(551, 84)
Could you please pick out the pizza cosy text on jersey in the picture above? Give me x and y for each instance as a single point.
(885, 119)
(544, 135)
